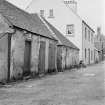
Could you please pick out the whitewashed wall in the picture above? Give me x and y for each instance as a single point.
(62, 17)
(88, 44)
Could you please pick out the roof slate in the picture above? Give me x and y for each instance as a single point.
(61, 37)
(24, 20)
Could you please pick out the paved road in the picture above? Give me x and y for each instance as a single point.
(79, 87)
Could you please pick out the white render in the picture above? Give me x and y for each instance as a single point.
(63, 15)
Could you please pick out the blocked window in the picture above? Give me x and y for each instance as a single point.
(70, 30)
(42, 13)
(51, 13)
(85, 32)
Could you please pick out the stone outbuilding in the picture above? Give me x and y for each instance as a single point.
(67, 52)
(99, 42)
(27, 47)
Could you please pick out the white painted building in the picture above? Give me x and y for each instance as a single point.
(63, 15)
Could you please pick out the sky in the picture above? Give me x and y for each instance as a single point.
(92, 11)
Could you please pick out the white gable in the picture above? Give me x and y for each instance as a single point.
(63, 16)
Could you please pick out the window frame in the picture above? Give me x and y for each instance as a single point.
(42, 13)
(70, 28)
(51, 13)
(89, 35)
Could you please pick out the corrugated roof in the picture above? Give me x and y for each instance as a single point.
(61, 37)
(24, 20)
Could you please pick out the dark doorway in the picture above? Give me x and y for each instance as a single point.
(51, 57)
(42, 57)
(59, 58)
(27, 58)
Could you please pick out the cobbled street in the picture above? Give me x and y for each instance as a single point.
(79, 87)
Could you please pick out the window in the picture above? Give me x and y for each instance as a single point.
(70, 30)
(51, 13)
(89, 35)
(85, 32)
(42, 13)
(85, 53)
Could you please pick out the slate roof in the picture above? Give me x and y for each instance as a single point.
(24, 20)
(61, 37)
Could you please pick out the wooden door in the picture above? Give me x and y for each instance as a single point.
(27, 58)
(42, 57)
(52, 51)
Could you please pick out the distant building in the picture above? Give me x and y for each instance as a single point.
(88, 43)
(62, 14)
(100, 43)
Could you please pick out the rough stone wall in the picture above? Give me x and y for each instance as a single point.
(17, 54)
(3, 58)
(3, 24)
(35, 53)
(3, 48)
(67, 57)
(74, 57)
(70, 57)
(48, 41)
(63, 57)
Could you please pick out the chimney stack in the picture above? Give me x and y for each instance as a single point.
(72, 4)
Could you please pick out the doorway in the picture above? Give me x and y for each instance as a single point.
(42, 57)
(51, 57)
(27, 58)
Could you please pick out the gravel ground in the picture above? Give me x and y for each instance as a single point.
(79, 87)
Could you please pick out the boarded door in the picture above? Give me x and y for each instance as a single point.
(42, 57)
(52, 50)
(27, 58)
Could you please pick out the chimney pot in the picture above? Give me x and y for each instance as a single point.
(72, 4)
